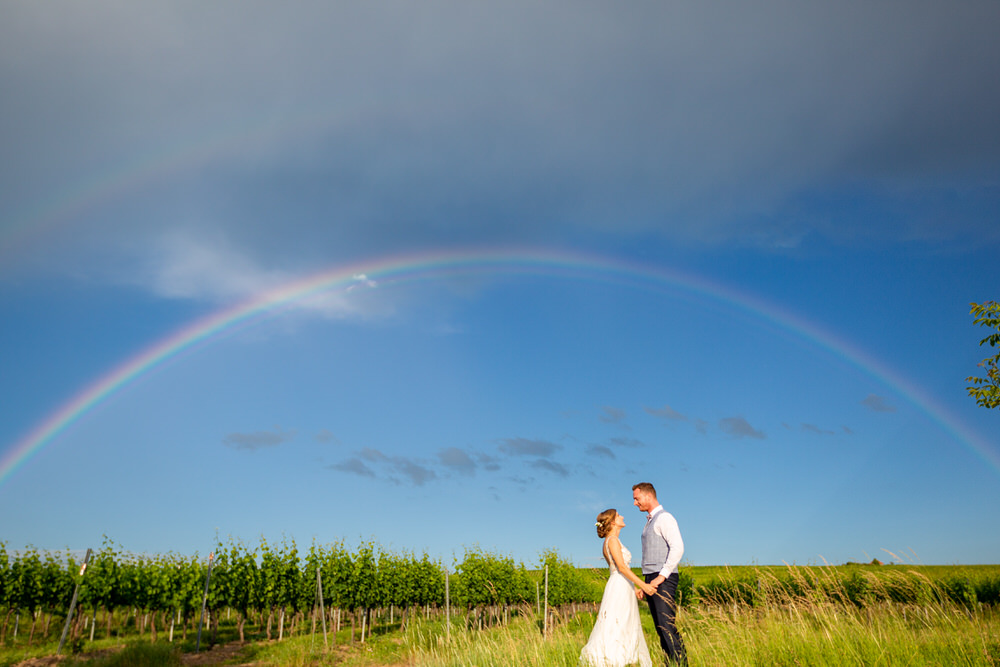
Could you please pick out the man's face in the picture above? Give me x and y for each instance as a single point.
(642, 500)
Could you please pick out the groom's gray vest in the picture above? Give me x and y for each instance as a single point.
(654, 548)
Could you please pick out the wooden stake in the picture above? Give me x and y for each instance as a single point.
(72, 605)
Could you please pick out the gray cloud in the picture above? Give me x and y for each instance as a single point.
(631, 443)
(812, 428)
(600, 451)
(354, 466)
(452, 134)
(463, 109)
(878, 403)
(372, 454)
(488, 462)
(666, 412)
(551, 466)
(326, 437)
(458, 460)
(409, 469)
(413, 471)
(526, 447)
(612, 415)
(738, 427)
(258, 439)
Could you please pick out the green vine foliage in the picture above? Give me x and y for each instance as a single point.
(489, 579)
(4, 576)
(986, 390)
(256, 580)
(566, 582)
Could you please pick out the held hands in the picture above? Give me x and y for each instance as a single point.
(648, 589)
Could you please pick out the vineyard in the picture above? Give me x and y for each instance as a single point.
(273, 587)
(276, 592)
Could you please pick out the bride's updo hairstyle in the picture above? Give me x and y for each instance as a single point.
(605, 520)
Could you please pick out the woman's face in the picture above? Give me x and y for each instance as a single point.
(619, 520)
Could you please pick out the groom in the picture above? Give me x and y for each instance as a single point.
(662, 549)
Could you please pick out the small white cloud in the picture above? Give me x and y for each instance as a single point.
(361, 280)
(182, 266)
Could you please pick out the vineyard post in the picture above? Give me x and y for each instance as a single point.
(72, 604)
(447, 607)
(322, 611)
(204, 602)
(545, 618)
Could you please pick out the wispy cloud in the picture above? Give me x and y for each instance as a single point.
(526, 447)
(878, 403)
(738, 427)
(631, 443)
(416, 473)
(615, 416)
(354, 466)
(206, 266)
(488, 462)
(666, 412)
(457, 460)
(326, 437)
(258, 439)
(551, 466)
(612, 415)
(812, 428)
(600, 451)
(408, 469)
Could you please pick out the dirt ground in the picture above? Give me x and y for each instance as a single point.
(217, 655)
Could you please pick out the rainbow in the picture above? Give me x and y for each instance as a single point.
(432, 266)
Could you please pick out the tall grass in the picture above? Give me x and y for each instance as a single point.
(816, 616)
(800, 616)
(749, 617)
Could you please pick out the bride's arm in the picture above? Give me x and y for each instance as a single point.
(615, 549)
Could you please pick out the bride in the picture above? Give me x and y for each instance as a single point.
(617, 638)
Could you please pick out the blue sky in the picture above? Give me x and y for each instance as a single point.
(802, 202)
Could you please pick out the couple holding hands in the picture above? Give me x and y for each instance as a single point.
(617, 638)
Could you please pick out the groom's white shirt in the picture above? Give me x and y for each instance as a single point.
(665, 525)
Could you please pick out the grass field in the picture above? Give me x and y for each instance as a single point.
(845, 615)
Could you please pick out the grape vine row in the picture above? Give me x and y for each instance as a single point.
(273, 586)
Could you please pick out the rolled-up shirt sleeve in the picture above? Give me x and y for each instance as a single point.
(667, 528)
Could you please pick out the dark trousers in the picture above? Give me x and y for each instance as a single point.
(663, 607)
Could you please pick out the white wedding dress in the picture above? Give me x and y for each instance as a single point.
(617, 638)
